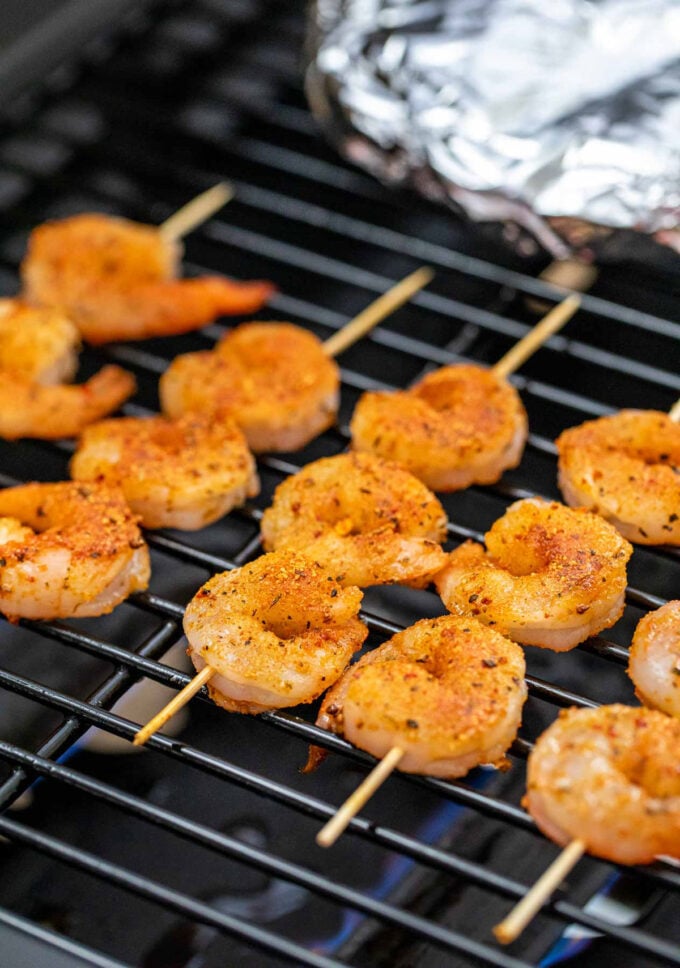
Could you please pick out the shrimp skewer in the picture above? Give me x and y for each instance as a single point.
(625, 468)
(654, 663)
(289, 432)
(276, 380)
(68, 550)
(606, 781)
(184, 473)
(437, 699)
(460, 424)
(274, 633)
(365, 519)
(550, 576)
(117, 279)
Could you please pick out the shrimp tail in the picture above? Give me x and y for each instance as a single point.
(167, 308)
(29, 409)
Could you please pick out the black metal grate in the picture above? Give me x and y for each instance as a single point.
(212, 90)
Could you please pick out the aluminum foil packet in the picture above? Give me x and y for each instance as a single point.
(557, 123)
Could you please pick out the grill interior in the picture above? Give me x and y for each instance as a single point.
(199, 851)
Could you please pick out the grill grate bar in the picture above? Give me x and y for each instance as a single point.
(105, 695)
(265, 861)
(170, 899)
(278, 867)
(454, 790)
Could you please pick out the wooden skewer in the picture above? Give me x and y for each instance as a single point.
(674, 412)
(363, 793)
(174, 706)
(550, 323)
(352, 331)
(512, 926)
(198, 210)
(382, 307)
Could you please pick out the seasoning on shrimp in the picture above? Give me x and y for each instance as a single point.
(29, 409)
(448, 691)
(654, 664)
(274, 379)
(459, 425)
(365, 519)
(550, 575)
(625, 467)
(183, 473)
(68, 550)
(37, 344)
(277, 632)
(609, 777)
(117, 280)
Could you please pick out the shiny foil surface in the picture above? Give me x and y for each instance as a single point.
(558, 121)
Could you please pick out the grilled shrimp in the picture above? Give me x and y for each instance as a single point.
(68, 550)
(610, 777)
(37, 344)
(550, 576)
(277, 631)
(366, 520)
(654, 664)
(182, 473)
(28, 409)
(448, 691)
(273, 379)
(625, 467)
(118, 280)
(460, 425)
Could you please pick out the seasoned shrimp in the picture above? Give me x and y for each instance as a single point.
(365, 519)
(277, 632)
(654, 664)
(611, 778)
(274, 379)
(182, 473)
(68, 550)
(550, 576)
(448, 691)
(460, 425)
(28, 409)
(118, 280)
(625, 468)
(37, 344)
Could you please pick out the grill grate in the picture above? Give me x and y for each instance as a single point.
(212, 90)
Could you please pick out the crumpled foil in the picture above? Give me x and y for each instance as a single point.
(556, 121)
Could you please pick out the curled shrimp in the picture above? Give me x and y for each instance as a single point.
(654, 664)
(68, 550)
(183, 473)
(28, 409)
(365, 519)
(611, 778)
(37, 344)
(550, 575)
(277, 632)
(626, 467)
(273, 379)
(458, 426)
(448, 691)
(117, 280)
